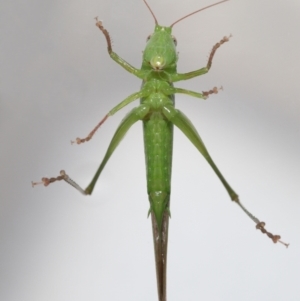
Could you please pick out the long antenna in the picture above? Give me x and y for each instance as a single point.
(197, 11)
(156, 23)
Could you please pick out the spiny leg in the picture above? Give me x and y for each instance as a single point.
(214, 49)
(137, 72)
(91, 134)
(132, 117)
(118, 107)
(106, 34)
(184, 76)
(185, 125)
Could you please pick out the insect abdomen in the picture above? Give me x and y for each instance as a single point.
(158, 138)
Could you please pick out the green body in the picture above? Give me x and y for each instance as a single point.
(158, 114)
(157, 111)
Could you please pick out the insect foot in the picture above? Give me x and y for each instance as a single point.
(260, 225)
(276, 238)
(214, 90)
(47, 181)
(63, 176)
(91, 134)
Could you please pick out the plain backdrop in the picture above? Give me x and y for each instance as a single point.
(57, 81)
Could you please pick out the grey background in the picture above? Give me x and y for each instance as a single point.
(57, 81)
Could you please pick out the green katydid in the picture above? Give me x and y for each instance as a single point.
(157, 111)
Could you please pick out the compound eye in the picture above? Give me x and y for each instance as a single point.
(149, 37)
(174, 40)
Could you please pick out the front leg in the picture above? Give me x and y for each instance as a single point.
(137, 72)
(183, 76)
